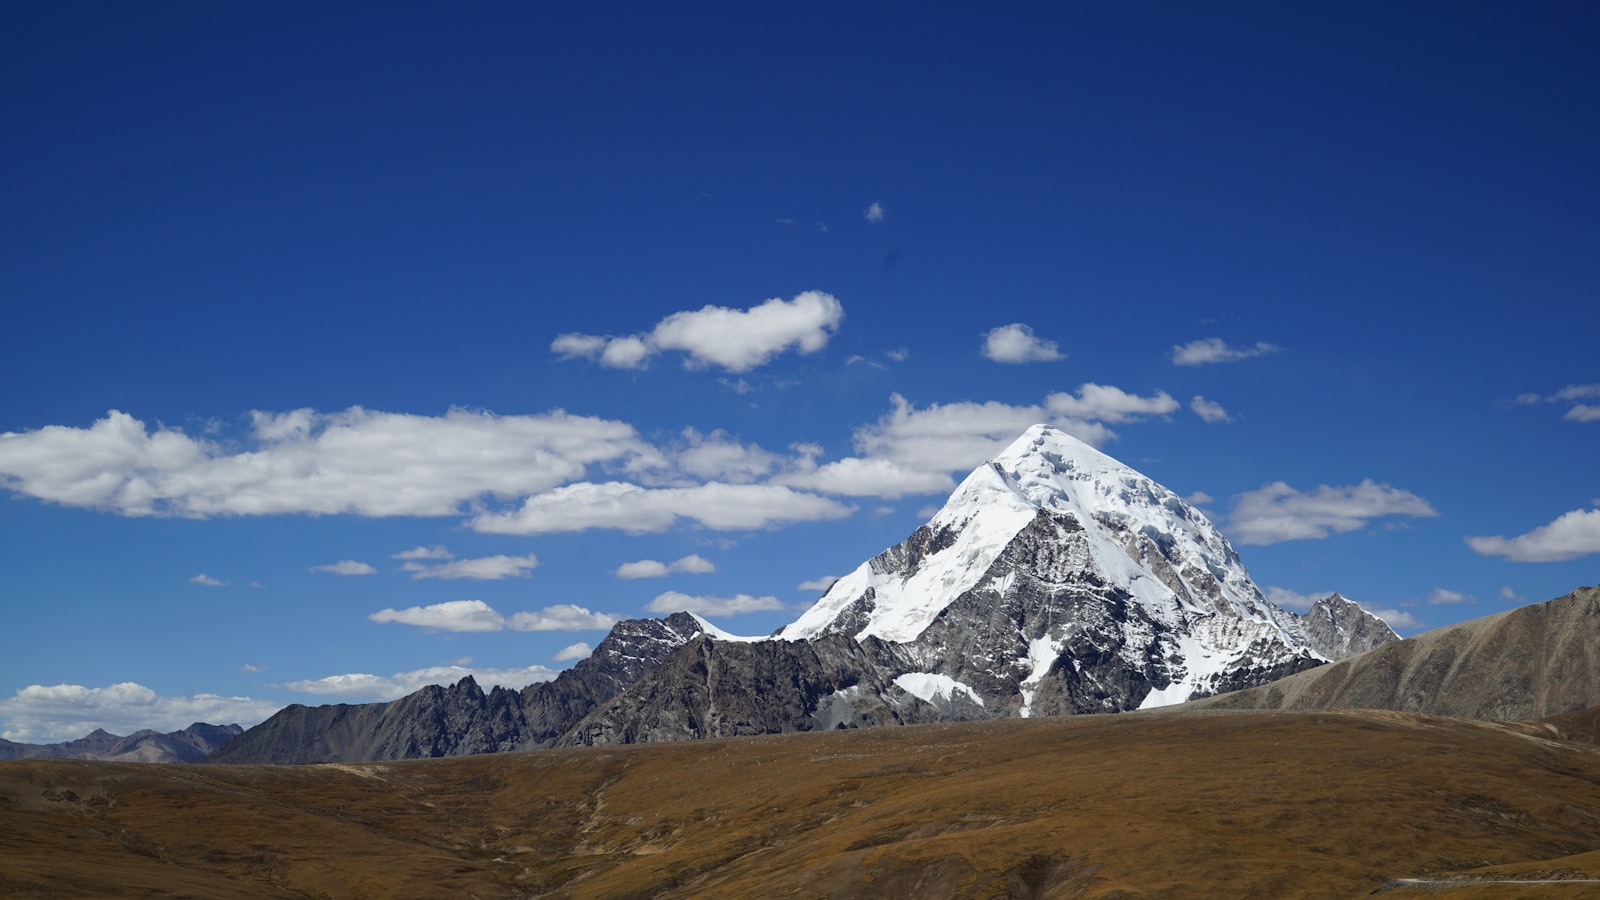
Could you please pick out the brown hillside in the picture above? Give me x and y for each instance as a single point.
(1180, 805)
(1534, 661)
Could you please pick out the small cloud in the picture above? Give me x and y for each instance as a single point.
(818, 584)
(487, 568)
(1397, 619)
(1294, 600)
(1511, 596)
(1583, 412)
(345, 567)
(207, 581)
(822, 227)
(874, 213)
(580, 650)
(1570, 536)
(1213, 350)
(927, 512)
(1278, 512)
(693, 564)
(249, 668)
(737, 340)
(434, 552)
(1445, 596)
(1016, 343)
(1199, 498)
(900, 355)
(478, 616)
(256, 584)
(1578, 412)
(784, 220)
(672, 602)
(1211, 412)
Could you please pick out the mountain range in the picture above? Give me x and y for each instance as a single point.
(1054, 581)
(192, 744)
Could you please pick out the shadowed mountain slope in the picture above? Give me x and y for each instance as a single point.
(1534, 661)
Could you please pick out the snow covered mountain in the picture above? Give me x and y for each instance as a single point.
(1057, 580)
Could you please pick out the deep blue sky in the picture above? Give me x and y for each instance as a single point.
(1383, 216)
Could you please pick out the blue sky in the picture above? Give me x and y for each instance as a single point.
(352, 347)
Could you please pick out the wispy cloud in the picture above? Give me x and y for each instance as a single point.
(672, 602)
(345, 567)
(733, 339)
(353, 462)
(693, 564)
(1571, 535)
(1016, 343)
(1278, 512)
(638, 510)
(580, 650)
(486, 568)
(435, 552)
(1397, 619)
(874, 212)
(1209, 411)
(205, 580)
(1207, 351)
(817, 584)
(1294, 600)
(478, 616)
(48, 713)
(1445, 596)
(1572, 393)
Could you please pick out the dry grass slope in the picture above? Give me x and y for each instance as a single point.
(1258, 804)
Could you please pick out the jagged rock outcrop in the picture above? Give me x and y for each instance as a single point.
(188, 745)
(1338, 628)
(462, 719)
(717, 688)
(1530, 662)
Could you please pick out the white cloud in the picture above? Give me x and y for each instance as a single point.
(736, 340)
(719, 457)
(434, 552)
(817, 584)
(362, 687)
(1213, 350)
(1570, 536)
(1278, 512)
(1103, 403)
(960, 436)
(486, 568)
(1507, 593)
(1579, 412)
(250, 668)
(856, 477)
(1208, 410)
(561, 617)
(637, 510)
(580, 650)
(43, 714)
(1444, 596)
(1016, 343)
(874, 213)
(1396, 619)
(1294, 599)
(1198, 498)
(451, 615)
(345, 567)
(207, 581)
(672, 602)
(693, 564)
(478, 616)
(353, 462)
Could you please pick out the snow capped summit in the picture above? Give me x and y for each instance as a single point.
(1057, 579)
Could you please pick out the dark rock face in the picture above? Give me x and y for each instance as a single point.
(713, 688)
(462, 719)
(1531, 662)
(189, 745)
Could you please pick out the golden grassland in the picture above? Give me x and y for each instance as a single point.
(1258, 804)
